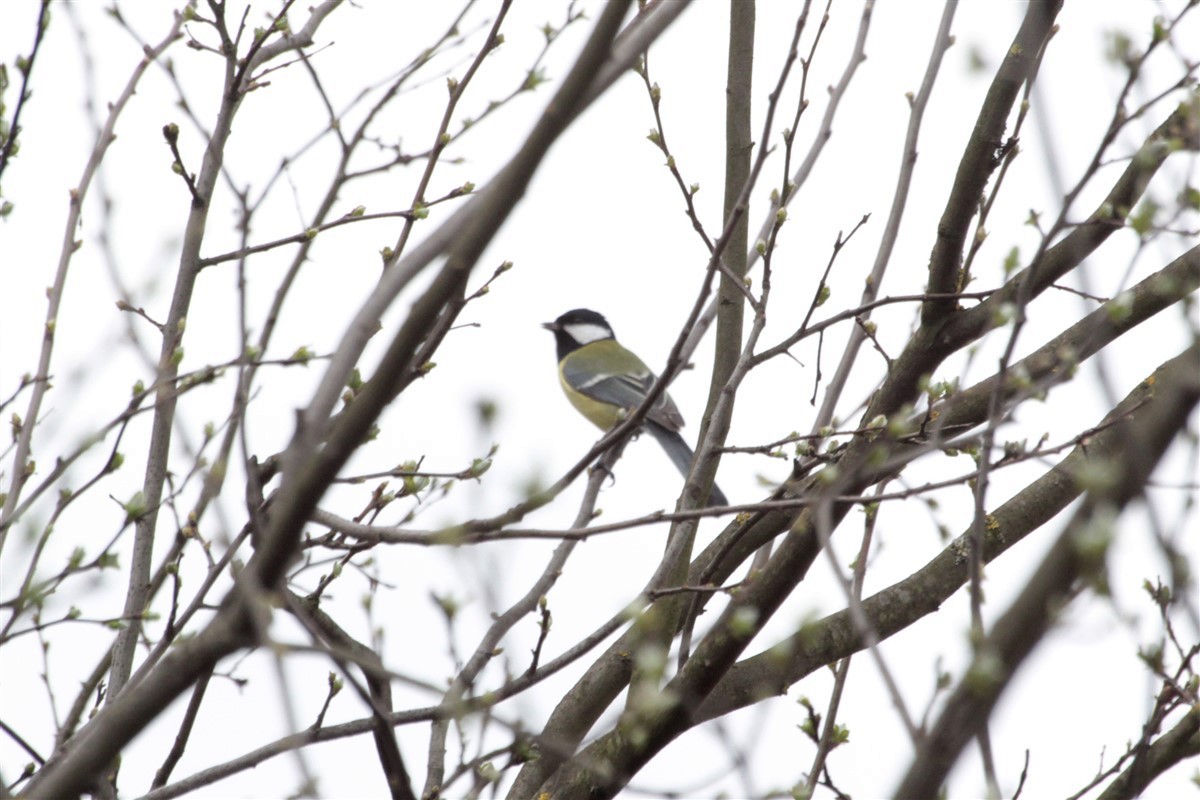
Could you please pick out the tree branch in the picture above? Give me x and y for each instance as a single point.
(979, 158)
(1078, 553)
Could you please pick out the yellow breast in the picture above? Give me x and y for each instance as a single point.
(602, 415)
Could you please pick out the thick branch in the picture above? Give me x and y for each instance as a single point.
(931, 344)
(97, 743)
(600, 768)
(1180, 128)
(895, 608)
(166, 396)
(979, 159)
(1078, 552)
(1182, 741)
(1050, 363)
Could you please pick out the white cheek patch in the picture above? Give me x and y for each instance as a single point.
(587, 332)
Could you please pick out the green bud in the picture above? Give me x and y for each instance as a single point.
(743, 622)
(1004, 314)
(487, 772)
(1120, 307)
(135, 507)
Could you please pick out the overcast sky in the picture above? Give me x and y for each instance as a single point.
(603, 227)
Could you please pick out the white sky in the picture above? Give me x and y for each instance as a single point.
(602, 226)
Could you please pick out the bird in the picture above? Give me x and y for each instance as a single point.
(605, 381)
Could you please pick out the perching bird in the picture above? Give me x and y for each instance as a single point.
(605, 381)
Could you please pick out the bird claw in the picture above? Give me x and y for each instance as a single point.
(599, 466)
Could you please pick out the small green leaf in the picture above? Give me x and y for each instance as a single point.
(1142, 220)
(135, 507)
(1012, 260)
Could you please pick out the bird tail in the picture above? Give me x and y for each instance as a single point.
(681, 455)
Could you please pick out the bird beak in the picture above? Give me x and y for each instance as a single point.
(550, 326)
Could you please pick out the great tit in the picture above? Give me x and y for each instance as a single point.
(604, 382)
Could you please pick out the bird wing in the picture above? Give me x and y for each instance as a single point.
(624, 383)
